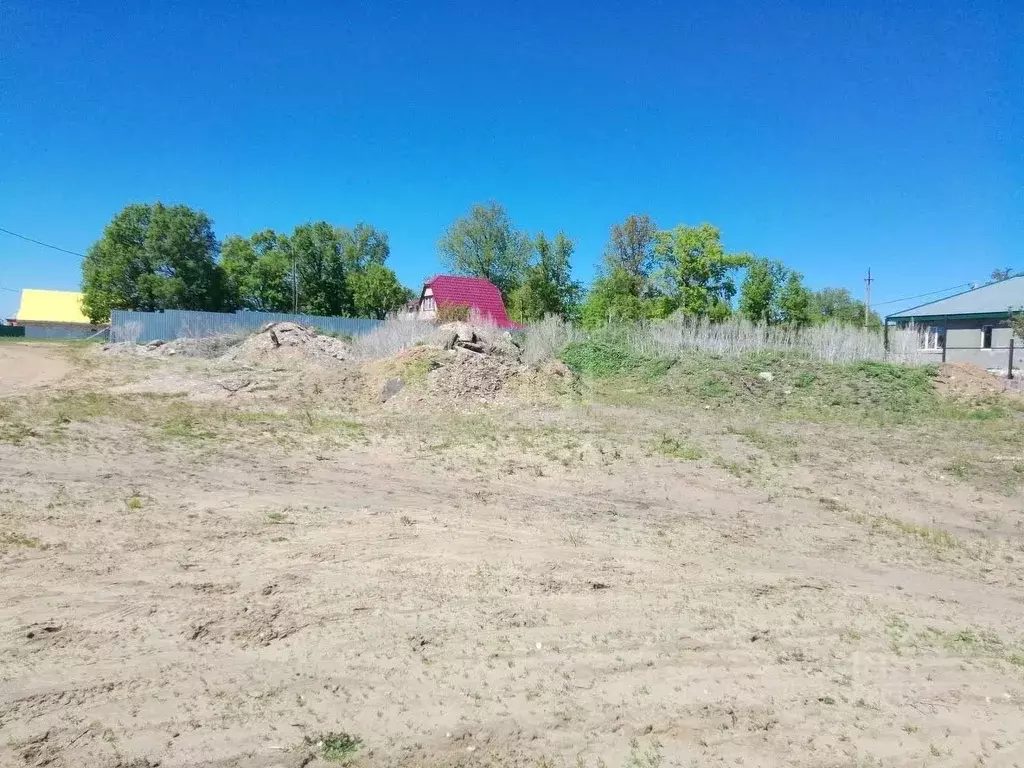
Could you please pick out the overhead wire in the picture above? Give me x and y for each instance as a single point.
(921, 295)
(40, 242)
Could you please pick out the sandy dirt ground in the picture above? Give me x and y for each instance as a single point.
(25, 365)
(522, 586)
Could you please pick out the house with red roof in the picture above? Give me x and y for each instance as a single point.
(481, 296)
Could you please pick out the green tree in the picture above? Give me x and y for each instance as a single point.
(363, 245)
(259, 271)
(795, 301)
(376, 291)
(614, 297)
(153, 257)
(548, 287)
(323, 289)
(837, 305)
(760, 291)
(1017, 323)
(485, 244)
(698, 271)
(631, 246)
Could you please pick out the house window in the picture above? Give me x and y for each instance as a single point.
(986, 337)
(933, 337)
(427, 305)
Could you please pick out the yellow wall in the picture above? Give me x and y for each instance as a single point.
(51, 307)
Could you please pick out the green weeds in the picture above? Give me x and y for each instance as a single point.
(336, 747)
(678, 449)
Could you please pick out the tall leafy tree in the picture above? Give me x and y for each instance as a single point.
(795, 301)
(259, 271)
(759, 293)
(614, 297)
(485, 243)
(837, 305)
(363, 245)
(698, 271)
(548, 287)
(321, 268)
(153, 257)
(631, 246)
(376, 291)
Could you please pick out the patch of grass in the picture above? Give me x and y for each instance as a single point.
(607, 354)
(805, 388)
(734, 468)
(336, 747)
(277, 518)
(184, 421)
(14, 432)
(413, 369)
(935, 537)
(81, 406)
(987, 413)
(18, 540)
(133, 502)
(678, 449)
(804, 379)
(968, 643)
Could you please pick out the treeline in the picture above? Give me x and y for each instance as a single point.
(155, 257)
(646, 273)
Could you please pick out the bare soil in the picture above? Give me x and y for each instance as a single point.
(24, 365)
(197, 573)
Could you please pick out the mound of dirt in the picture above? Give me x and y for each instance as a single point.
(487, 341)
(465, 363)
(274, 341)
(289, 341)
(962, 381)
(207, 346)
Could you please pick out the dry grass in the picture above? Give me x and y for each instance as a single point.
(391, 337)
(831, 343)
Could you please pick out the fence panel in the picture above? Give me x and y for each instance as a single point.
(176, 323)
(69, 332)
(12, 331)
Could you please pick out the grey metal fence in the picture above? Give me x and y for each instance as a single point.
(65, 331)
(176, 323)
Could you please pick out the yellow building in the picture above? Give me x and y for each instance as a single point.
(53, 314)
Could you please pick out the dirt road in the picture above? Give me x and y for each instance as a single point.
(24, 365)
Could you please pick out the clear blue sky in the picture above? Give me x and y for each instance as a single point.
(831, 136)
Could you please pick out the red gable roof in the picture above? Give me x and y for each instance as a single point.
(473, 292)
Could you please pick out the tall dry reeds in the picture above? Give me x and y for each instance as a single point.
(831, 342)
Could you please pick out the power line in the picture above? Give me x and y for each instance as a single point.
(12, 290)
(922, 295)
(40, 242)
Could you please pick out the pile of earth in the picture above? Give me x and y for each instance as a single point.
(207, 346)
(962, 381)
(289, 341)
(464, 362)
(274, 341)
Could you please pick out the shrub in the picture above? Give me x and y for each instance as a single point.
(452, 313)
(609, 354)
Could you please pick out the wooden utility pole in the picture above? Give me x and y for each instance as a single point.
(867, 296)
